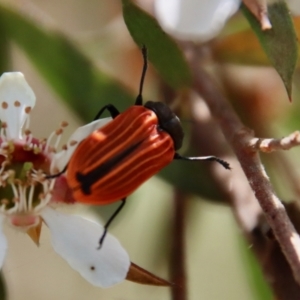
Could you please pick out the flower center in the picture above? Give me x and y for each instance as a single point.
(23, 188)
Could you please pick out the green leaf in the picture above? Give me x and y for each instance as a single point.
(243, 47)
(5, 58)
(64, 67)
(280, 42)
(163, 52)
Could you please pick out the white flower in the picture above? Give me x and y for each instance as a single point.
(27, 197)
(194, 19)
(201, 19)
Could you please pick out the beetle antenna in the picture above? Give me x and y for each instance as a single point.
(139, 98)
(222, 162)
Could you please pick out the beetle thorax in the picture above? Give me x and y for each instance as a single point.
(168, 121)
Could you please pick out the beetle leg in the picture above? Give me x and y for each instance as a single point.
(224, 163)
(109, 222)
(139, 98)
(112, 110)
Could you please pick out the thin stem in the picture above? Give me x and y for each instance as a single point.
(269, 145)
(178, 274)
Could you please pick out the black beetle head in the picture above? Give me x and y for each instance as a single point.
(168, 121)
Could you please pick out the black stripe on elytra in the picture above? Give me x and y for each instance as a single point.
(88, 179)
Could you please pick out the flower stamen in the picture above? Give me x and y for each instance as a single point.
(30, 196)
(58, 133)
(14, 208)
(14, 189)
(3, 131)
(22, 197)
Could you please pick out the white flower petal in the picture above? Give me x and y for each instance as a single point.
(194, 19)
(15, 96)
(76, 240)
(3, 242)
(61, 158)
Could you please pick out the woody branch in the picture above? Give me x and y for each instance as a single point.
(269, 145)
(241, 140)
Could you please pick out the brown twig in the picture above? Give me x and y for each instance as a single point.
(246, 209)
(269, 145)
(178, 275)
(239, 137)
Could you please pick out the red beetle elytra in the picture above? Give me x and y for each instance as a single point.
(116, 159)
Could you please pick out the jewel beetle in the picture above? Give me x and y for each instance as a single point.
(113, 161)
